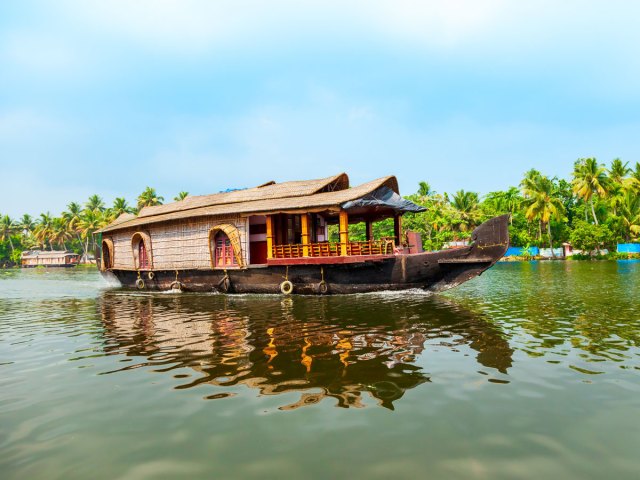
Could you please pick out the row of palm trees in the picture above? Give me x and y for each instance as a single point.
(599, 193)
(75, 227)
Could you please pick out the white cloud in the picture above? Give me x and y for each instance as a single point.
(40, 53)
(200, 25)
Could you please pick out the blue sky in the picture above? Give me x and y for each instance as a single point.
(108, 97)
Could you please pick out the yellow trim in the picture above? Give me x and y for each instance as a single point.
(344, 232)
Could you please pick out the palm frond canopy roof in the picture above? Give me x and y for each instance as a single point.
(325, 194)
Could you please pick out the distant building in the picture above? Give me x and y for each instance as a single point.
(55, 258)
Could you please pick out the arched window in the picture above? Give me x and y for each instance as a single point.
(141, 249)
(223, 253)
(107, 254)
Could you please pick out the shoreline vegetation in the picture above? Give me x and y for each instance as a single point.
(596, 209)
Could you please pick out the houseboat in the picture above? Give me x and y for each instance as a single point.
(44, 258)
(274, 238)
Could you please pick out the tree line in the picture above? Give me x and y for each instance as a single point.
(73, 230)
(597, 208)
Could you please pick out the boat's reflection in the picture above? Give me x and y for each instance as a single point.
(340, 347)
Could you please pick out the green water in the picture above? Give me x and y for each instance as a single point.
(530, 371)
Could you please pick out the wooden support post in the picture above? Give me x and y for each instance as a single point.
(397, 229)
(305, 234)
(344, 232)
(269, 236)
(369, 224)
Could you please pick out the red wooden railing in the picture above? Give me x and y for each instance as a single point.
(329, 249)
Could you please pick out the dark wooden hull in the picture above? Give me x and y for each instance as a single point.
(435, 271)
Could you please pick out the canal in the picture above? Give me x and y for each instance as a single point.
(530, 371)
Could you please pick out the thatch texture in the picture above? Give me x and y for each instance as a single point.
(313, 202)
(107, 244)
(269, 190)
(178, 245)
(136, 238)
(234, 238)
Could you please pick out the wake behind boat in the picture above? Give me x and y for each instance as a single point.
(274, 238)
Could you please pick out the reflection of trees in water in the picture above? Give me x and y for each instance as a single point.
(321, 347)
(591, 306)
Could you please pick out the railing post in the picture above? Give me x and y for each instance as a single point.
(397, 229)
(269, 236)
(344, 232)
(305, 234)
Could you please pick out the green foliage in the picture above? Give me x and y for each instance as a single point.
(598, 208)
(589, 237)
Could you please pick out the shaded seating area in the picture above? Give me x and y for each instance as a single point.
(297, 235)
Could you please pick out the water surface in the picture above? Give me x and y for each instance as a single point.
(531, 370)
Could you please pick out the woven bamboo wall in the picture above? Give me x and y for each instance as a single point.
(177, 245)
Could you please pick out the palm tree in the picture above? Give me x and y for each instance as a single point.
(149, 198)
(618, 171)
(424, 189)
(42, 231)
(26, 224)
(466, 204)
(615, 196)
(543, 204)
(181, 196)
(589, 179)
(91, 221)
(95, 202)
(60, 232)
(529, 187)
(634, 180)
(506, 201)
(120, 206)
(7, 228)
(630, 213)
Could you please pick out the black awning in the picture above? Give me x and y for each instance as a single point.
(383, 197)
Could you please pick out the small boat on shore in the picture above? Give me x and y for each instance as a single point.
(274, 238)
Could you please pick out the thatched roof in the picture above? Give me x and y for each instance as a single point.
(288, 197)
(48, 254)
(266, 191)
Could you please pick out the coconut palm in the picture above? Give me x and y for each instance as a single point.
(634, 179)
(120, 206)
(181, 196)
(424, 189)
(95, 202)
(618, 171)
(7, 228)
(630, 213)
(91, 221)
(43, 229)
(60, 232)
(615, 196)
(506, 201)
(589, 180)
(542, 203)
(149, 198)
(26, 224)
(466, 205)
